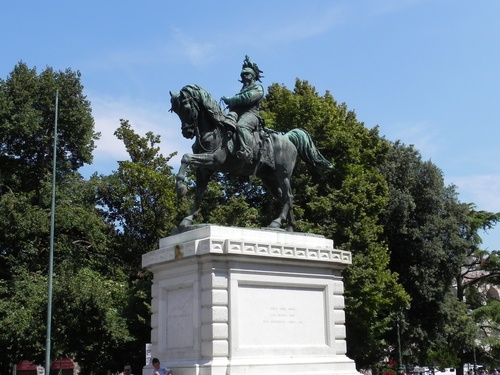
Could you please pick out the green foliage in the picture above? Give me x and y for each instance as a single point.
(343, 204)
(409, 234)
(27, 118)
(457, 335)
(86, 277)
(80, 234)
(346, 205)
(139, 201)
(373, 301)
(488, 320)
(430, 235)
(416, 227)
(235, 211)
(23, 301)
(24, 233)
(102, 301)
(84, 293)
(139, 198)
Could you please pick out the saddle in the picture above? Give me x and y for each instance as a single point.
(265, 146)
(263, 149)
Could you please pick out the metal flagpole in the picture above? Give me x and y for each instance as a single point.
(51, 254)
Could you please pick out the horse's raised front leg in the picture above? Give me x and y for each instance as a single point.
(204, 164)
(207, 161)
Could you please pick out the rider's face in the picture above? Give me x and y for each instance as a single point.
(246, 78)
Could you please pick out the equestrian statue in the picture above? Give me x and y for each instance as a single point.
(238, 143)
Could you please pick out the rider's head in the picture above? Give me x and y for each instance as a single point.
(250, 72)
(247, 75)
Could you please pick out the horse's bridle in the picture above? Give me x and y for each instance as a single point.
(182, 108)
(194, 105)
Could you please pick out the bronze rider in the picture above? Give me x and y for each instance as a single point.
(243, 116)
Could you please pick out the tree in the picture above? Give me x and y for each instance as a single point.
(414, 224)
(139, 201)
(87, 278)
(478, 266)
(84, 264)
(430, 234)
(139, 198)
(374, 300)
(95, 342)
(477, 283)
(27, 116)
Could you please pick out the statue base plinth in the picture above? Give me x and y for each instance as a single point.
(230, 301)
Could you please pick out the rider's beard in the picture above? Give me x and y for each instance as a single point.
(246, 82)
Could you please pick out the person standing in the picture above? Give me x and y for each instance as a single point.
(160, 370)
(127, 369)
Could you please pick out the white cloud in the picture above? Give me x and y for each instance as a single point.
(482, 190)
(295, 23)
(311, 23)
(423, 135)
(143, 117)
(381, 8)
(197, 52)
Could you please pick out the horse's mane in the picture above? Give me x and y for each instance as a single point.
(203, 98)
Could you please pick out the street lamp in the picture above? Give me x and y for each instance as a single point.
(474, 354)
(400, 359)
(401, 367)
(470, 313)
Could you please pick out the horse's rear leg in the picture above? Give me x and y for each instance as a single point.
(281, 190)
(291, 217)
(287, 208)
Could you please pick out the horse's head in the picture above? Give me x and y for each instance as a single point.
(184, 105)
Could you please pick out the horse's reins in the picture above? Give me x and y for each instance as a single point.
(198, 139)
(197, 129)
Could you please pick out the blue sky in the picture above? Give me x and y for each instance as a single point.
(427, 72)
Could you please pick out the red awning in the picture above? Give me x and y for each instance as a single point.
(26, 366)
(62, 363)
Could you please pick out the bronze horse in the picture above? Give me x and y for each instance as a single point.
(274, 154)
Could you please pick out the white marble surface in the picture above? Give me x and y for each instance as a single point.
(233, 301)
(257, 242)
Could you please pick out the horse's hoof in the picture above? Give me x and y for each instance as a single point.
(290, 229)
(275, 224)
(186, 222)
(181, 190)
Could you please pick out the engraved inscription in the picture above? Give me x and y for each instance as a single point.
(281, 316)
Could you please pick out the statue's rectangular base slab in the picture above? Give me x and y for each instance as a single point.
(229, 301)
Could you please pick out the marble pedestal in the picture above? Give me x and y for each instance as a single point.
(231, 301)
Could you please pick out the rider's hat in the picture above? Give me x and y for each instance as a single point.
(250, 67)
(248, 70)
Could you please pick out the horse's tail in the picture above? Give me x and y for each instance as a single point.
(306, 149)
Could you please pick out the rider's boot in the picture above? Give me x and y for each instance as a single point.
(230, 123)
(245, 153)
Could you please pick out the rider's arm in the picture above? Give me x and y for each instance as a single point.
(247, 97)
